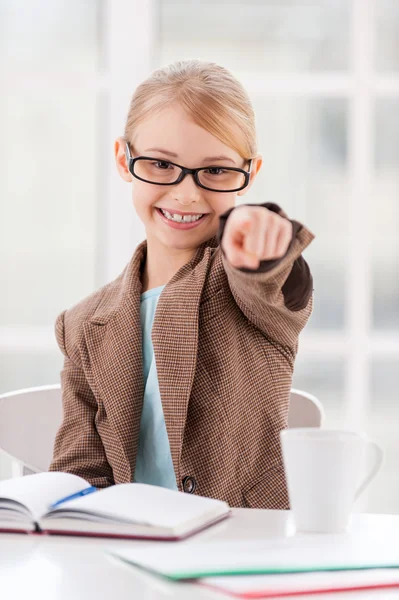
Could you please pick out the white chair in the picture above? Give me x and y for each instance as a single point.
(305, 410)
(30, 418)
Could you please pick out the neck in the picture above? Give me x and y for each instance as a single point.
(162, 263)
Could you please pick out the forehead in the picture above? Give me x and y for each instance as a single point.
(173, 129)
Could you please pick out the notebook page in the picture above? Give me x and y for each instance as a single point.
(264, 586)
(145, 504)
(38, 491)
(281, 555)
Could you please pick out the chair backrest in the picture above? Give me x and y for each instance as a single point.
(30, 418)
(305, 410)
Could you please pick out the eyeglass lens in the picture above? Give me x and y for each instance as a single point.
(217, 178)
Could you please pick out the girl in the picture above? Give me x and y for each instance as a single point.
(178, 372)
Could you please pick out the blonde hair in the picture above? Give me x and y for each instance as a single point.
(211, 95)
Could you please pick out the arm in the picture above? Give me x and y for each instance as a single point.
(275, 294)
(78, 448)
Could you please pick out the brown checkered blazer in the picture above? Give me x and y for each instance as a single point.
(225, 341)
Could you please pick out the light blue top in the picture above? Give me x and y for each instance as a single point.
(154, 461)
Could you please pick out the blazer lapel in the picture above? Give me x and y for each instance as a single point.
(114, 343)
(175, 341)
(113, 338)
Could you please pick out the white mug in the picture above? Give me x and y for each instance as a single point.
(325, 475)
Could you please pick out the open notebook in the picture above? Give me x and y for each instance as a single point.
(130, 510)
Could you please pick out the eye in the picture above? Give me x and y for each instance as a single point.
(162, 164)
(215, 171)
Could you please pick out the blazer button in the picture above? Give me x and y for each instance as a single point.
(189, 485)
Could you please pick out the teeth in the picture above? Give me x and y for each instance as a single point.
(180, 218)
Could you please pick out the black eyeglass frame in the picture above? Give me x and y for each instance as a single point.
(185, 171)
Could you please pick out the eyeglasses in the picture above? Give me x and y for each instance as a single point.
(164, 172)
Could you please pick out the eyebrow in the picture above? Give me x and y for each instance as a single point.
(206, 159)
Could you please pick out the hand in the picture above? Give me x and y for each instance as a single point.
(254, 233)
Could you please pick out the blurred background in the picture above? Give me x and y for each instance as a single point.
(324, 79)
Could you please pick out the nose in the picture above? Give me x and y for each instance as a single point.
(187, 191)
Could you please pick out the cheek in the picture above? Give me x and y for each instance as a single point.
(219, 203)
(144, 196)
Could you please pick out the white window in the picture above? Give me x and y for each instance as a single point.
(324, 79)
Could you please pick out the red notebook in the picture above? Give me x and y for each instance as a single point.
(62, 503)
(252, 587)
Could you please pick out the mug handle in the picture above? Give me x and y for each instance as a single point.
(378, 455)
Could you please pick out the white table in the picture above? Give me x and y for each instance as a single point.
(66, 568)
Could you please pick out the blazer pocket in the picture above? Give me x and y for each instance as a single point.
(268, 492)
(213, 305)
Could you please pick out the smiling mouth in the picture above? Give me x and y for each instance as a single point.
(181, 218)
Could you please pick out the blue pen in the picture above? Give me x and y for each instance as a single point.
(84, 492)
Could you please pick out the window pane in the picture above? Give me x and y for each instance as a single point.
(5, 466)
(48, 212)
(271, 35)
(304, 147)
(385, 216)
(324, 379)
(21, 370)
(387, 35)
(383, 428)
(48, 35)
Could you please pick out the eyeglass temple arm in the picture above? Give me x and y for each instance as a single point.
(127, 152)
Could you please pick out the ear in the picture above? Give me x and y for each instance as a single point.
(120, 158)
(255, 167)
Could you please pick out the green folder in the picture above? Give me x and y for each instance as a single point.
(190, 560)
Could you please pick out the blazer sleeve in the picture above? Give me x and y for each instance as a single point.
(277, 297)
(78, 448)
